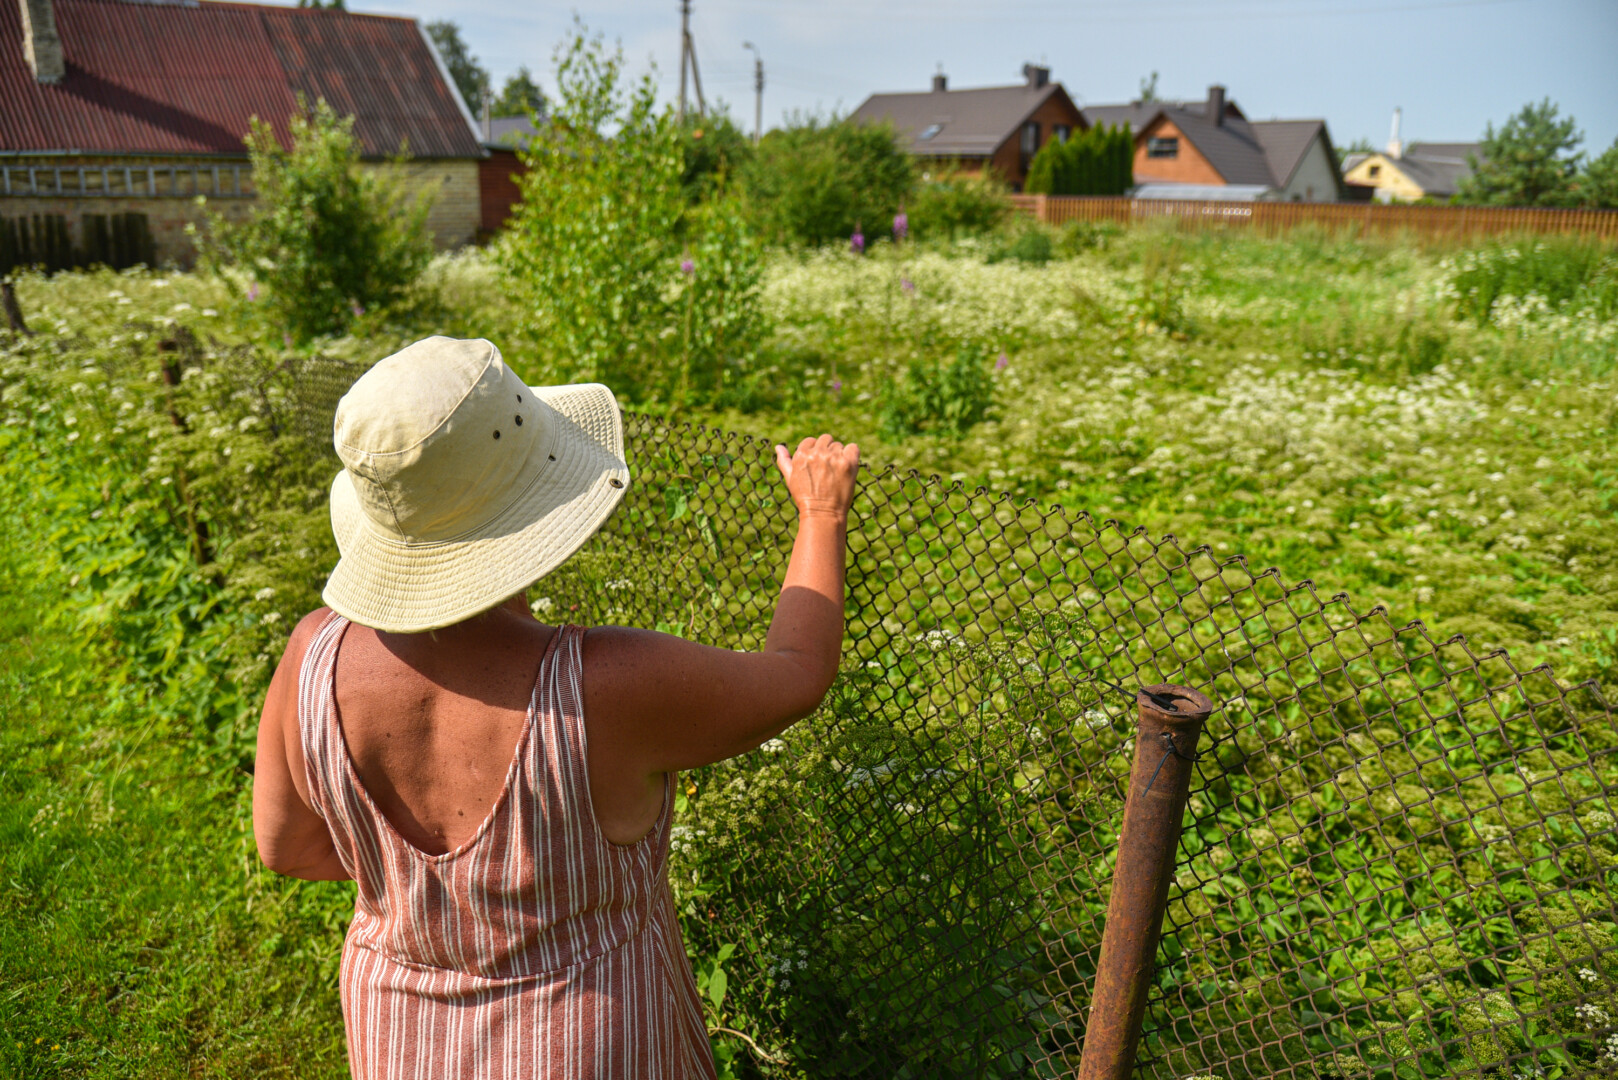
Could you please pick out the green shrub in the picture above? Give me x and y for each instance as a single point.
(813, 182)
(722, 322)
(329, 239)
(715, 150)
(1077, 237)
(1031, 246)
(952, 204)
(590, 251)
(1099, 161)
(944, 397)
(599, 248)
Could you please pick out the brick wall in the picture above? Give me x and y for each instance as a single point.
(167, 218)
(457, 211)
(454, 219)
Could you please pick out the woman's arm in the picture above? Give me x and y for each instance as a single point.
(292, 838)
(656, 703)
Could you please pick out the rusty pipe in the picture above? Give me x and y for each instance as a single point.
(1171, 719)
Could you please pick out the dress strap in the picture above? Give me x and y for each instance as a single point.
(316, 734)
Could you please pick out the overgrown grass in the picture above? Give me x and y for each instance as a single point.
(139, 937)
(1321, 404)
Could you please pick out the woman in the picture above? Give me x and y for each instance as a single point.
(499, 789)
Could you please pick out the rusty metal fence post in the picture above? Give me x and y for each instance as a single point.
(1171, 719)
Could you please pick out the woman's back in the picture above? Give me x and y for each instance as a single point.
(524, 943)
(432, 721)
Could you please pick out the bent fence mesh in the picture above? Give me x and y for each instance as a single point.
(1398, 861)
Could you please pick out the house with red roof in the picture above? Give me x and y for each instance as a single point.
(117, 110)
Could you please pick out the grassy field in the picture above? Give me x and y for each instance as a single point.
(1341, 409)
(139, 937)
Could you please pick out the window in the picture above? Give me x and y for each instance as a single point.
(1030, 138)
(1159, 146)
(1374, 171)
(1061, 133)
(929, 131)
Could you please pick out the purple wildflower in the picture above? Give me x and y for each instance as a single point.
(355, 307)
(837, 386)
(856, 243)
(901, 225)
(1000, 364)
(252, 292)
(687, 267)
(907, 285)
(286, 339)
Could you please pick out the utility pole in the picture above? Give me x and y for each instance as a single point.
(688, 56)
(758, 91)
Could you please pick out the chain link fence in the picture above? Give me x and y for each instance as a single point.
(1399, 858)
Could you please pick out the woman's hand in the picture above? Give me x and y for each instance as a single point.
(820, 476)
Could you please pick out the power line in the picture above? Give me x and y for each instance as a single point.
(1110, 14)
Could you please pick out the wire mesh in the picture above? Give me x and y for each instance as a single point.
(1399, 857)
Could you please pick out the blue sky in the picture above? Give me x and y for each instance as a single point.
(1452, 65)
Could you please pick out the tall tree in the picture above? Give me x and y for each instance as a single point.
(519, 96)
(1598, 184)
(1148, 90)
(1530, 161)
(469, 75)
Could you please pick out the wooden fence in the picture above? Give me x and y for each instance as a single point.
(1430, 222)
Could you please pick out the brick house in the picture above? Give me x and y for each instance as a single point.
(996, 128)
(1210, 150)
(115, 108)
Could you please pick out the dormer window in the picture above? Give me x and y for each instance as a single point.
(1375, 171)
(1163, 146)
(929, 131)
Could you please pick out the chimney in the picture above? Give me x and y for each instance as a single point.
(40, 45)
(1037, 76)
(940, 83)
(1395, 147)
(1216, 105)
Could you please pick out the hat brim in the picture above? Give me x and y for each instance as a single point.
(573, 479)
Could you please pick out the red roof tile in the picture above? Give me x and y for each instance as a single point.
(185, 79)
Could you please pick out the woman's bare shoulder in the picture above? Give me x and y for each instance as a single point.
(303, 633)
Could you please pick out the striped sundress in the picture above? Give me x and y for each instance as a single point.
(538, 948)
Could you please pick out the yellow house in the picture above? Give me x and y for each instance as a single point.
(1419, 171)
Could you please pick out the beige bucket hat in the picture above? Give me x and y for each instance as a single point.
(462, 485)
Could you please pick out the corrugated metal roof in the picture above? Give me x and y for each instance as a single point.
(173, 79)
(970, 123)
(1162, 189)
